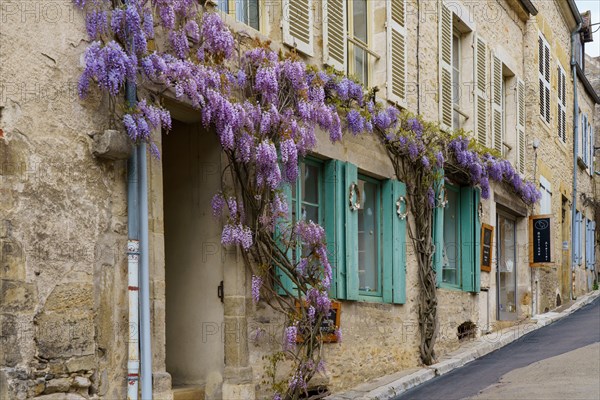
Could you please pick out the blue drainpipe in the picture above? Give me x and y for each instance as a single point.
(137, 225)
(575, 150)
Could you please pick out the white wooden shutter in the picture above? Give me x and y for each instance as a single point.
(584, 138)
(497, 104)
(592, 152)
(445, 58)
(562, 105)
(521, 125)
(297, 24)
(480, 97)
(335, 34)
(544, 77)
(396, 46)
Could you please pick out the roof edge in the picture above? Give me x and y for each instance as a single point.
(587, 85)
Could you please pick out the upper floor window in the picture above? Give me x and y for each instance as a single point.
(346, 37)
(358, 44)
(562, 105)
(246, 11)
(456, 76)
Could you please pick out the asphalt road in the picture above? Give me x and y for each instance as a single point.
(580, 329)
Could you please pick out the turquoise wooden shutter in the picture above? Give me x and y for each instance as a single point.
(285, 283)
(351, 234)
(477, 241)
(334, 225)
(394, 242)
(468, 215)
(438, 230)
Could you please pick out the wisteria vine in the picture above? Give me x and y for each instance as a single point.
(266, 108)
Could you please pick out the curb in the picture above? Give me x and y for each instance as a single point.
(476, 349)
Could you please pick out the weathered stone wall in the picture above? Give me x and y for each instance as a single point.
(63, 216)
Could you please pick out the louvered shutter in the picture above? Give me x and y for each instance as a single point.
(396, 59)
(592, 152)
(470, 238)
(593, 264)
(351, 234)
(544, 77)
(521, 125)
(497, 104)
(297, 24)
(588, 244)
(480, 101)
(445, 59)
(562, 105)
(335, 33)
(394, 242)
(584, 138)
(335, 202)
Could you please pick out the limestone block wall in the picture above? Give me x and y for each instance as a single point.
(63, 287)
(554, 159)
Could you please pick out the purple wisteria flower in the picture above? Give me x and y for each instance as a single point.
(96, 22)
(218, 204)
(431, 197)
(291, 335)
(237, 234)
(257, 283)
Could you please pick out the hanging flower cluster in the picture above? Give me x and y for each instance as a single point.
(265, 109)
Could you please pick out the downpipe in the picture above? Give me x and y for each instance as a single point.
(133, 360)
(575, 150)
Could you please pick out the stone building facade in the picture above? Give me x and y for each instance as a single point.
(63, 218)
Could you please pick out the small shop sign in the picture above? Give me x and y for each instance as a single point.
(487, 239)
(540, 240)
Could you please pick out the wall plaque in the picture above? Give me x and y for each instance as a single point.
(487, 240)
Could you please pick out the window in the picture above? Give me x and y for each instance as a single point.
(346, 37)
(365, 236)
(451, 249)
(305, 203)
(456, 237)
(369, 232)
(546, 200)
(544, 77)
(246, 11)
(358, 43)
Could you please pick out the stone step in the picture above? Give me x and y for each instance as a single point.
(188, 393)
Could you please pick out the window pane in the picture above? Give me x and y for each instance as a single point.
(223, 5)
(359, 31)
(246, 11)
(451, 251)
(360, 65)
(310, 183)
(368, 237)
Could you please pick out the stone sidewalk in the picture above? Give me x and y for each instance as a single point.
(390, 386)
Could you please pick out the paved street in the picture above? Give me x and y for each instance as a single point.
(560, 361)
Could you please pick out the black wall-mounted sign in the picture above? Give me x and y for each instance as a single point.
(487, 238)
(540, 240)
